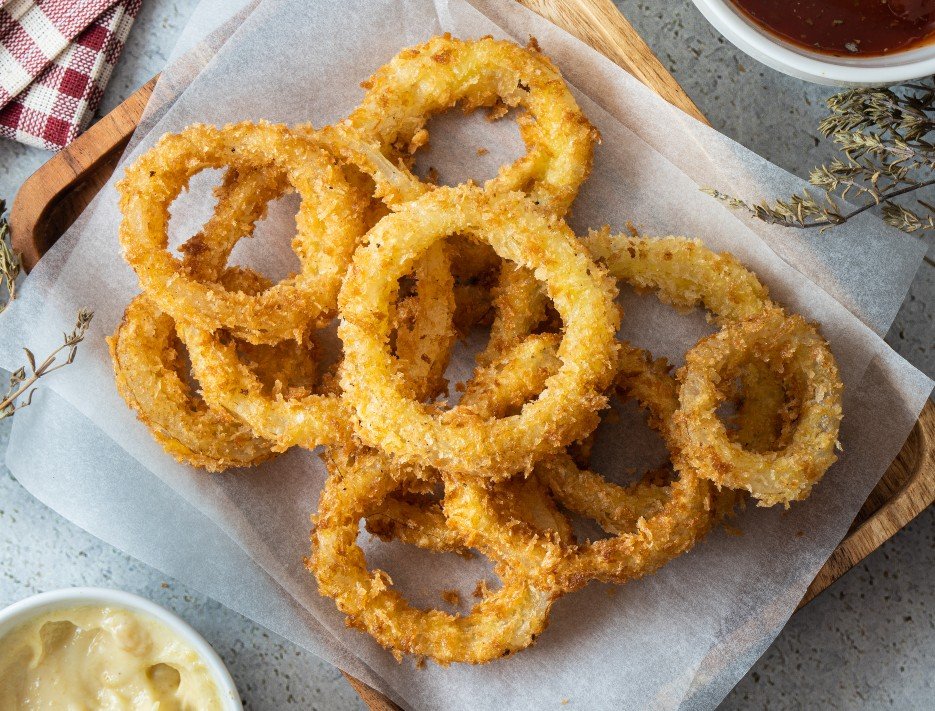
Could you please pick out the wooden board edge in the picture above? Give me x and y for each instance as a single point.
(374, 699)
(913, 499)
(599, 24)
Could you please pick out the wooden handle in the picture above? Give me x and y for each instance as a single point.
(81, 170)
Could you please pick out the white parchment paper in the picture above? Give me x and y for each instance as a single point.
(678, 639)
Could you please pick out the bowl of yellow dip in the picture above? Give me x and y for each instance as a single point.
(109, 650)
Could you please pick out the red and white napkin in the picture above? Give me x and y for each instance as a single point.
(56, 57)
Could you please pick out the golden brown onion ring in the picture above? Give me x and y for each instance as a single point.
(425, 332)
(650, 523)
(683, 273)
(792, 346)
(503, 622)
(309, 419)
(456, 440)
(243, 198)
(427, 79)
(149, 371)
(329, 223)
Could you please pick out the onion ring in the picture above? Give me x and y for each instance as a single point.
(519, 307)
(683, 273)
(329, 224)
(432, 77)
(667, 519)
(505, 621)
(364, 596)
(306, 419)
(792, 346)
(425, 332)
(454, 440)
(148, 368)
(243, 198)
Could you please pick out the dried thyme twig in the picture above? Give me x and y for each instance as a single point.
(22, 383)
(10, 265)
(884, 136)
(20, 392)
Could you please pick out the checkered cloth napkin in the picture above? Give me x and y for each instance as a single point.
(56, 57)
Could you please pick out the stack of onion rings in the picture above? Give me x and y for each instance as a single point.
(406, 266)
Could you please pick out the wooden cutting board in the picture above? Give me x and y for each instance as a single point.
(51, 199)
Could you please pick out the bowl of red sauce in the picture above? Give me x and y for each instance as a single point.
(837, 42)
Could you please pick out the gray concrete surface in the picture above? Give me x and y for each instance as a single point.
(867, 643)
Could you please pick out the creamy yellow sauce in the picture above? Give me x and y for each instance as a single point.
(104, 658)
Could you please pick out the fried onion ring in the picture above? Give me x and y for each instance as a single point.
(425, 332)
(329, 223)
(148, 367)
(791, 346)
(504, 622)
(424, 80)
(650, 523)
(683, 273)
(455, 440)
(243, 198)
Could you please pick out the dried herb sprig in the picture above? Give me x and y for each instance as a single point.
(884, 136)
(10, 265)
(22, 382)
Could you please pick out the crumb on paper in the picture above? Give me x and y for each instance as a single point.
(565, 702)
(482, 151)
(164, 585)
(631, 228)
(452, 597)
(432, 176)
(497, 111)
(481, 589)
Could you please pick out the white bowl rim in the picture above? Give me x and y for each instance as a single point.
(32, 606)
(820, 68)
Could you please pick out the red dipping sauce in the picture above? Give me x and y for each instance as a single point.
(846, 27)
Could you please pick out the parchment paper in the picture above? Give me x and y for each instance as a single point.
(678, 639)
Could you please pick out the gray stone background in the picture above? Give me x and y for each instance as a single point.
(866, 643)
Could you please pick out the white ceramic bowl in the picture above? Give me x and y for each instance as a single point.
(24, 610)
(813, 66)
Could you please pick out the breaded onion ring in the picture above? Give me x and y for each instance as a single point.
(519, 307)
(683, 273)
(423, 348)
(243, 198)
(789, 345)
(365, 596)
(430, 78)
(148, 366)
(456, 440)
(425, 332)
(650, 523)
(504, 622)
(427, 79)
(329, 224)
